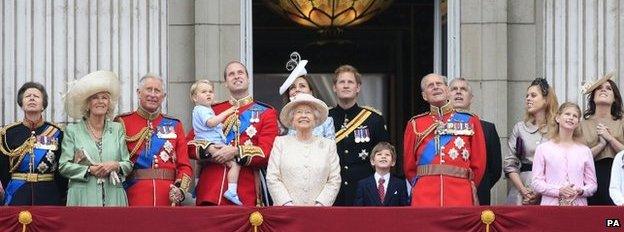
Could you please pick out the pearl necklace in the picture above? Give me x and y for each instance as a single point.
(93, 133)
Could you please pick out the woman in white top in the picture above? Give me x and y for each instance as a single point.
(616, 185)
(303, 169)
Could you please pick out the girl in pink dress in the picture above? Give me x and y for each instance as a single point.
(563, 168)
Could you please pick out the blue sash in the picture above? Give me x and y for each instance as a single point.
(245, 118)
(429, 152)
(144, 161)
(15, 185)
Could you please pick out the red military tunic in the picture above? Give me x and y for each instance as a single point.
(448, 176)
(168, 165)
(254, 143)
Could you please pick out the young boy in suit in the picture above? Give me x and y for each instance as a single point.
(382, 189)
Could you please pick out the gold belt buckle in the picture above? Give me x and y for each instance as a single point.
(31, 177)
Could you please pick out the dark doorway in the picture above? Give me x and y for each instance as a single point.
(397, 45)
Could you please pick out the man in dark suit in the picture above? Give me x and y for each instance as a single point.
(382, 189)
(461, 97)
(358, 129)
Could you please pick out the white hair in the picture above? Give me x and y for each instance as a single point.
(152, 76)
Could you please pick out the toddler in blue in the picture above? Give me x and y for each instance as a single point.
(209, 127)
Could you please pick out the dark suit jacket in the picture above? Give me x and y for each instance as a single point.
(493, 166)
(366, 194)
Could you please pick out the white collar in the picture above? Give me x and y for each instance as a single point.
(385, 177)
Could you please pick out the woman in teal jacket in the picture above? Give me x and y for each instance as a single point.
(94, 157)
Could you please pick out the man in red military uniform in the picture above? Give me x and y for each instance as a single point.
(249, 133)
(444, 151)
(157, 145)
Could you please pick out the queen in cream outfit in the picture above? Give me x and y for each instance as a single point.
(303, 169)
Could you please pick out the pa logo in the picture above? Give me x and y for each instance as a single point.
(612, 222)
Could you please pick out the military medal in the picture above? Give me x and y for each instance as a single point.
(255, 116)
(46, 143)
(251, 131)
(344, 124)
(465, 154)
(164, 156)
(168, 146)
(453, 153)
(366, 135)
(42, 167)
(356, 135)
(166, 132)
(50, 156)
(459, 142)
(363, 155)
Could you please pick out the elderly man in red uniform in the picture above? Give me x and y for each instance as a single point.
(249, 133)
(157, 145)
(444, 150)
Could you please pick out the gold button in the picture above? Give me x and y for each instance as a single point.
(346, 151)
(155, 165)
(346, 167)
(346, 183)
(155, 160)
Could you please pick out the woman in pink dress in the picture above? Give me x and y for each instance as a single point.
(563, 168)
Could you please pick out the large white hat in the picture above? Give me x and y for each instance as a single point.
(80, 90)
(307, 99)
(298, 70)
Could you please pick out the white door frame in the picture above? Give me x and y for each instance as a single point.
(246, 38)
(453, 47)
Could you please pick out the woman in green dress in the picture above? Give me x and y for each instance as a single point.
(94, 157)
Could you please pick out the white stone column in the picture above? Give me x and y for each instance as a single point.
(54, 42)
(484, 62)
(181, 15)
(217, 39)
(581, 43)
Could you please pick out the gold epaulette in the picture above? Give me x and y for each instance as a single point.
(6, 127)
(420, 115)
(122, 115)
(370, 108)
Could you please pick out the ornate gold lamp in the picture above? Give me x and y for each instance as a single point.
(328, 14)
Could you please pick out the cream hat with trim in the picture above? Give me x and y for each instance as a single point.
(591, 85)
(80, 90)
(307, 99)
